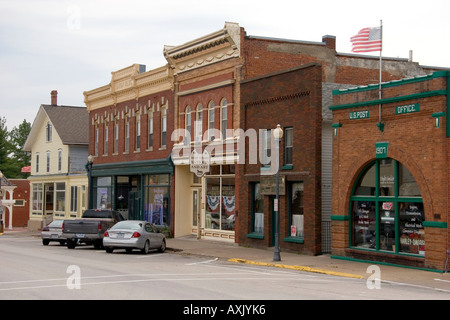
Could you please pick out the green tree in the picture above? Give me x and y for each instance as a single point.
(5, 148)
(17, 137)
(12, 157)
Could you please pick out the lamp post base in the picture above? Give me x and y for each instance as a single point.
(276, 256)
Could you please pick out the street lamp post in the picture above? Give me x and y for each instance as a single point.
(278, 134)
(89, 170)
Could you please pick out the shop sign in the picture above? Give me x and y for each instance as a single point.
(199, 162)
(293, 231)
(269, 185)
(359, 115)
(381, 149)
(409, 108)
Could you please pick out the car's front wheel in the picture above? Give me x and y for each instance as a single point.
(163, 246)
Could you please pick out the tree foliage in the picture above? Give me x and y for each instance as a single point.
(12, 157)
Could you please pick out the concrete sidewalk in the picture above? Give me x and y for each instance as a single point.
(325, 264)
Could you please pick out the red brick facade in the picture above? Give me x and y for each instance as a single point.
(293, 99)
(414, 114)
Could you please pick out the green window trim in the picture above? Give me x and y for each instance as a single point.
(435, 224)
(340, 218)
(255, 235)
(294, 239)
(377, 200)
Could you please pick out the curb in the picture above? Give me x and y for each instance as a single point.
(297, 268)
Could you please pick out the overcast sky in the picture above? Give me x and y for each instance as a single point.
(72, 46)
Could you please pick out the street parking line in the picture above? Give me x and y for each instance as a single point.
(202, 262)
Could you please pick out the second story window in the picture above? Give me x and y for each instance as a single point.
(96, 140)
(59, 159)
(106, 140)
(48, 161)
(224, 118)
(288, 145)
(138, 132)
(48, 132)
(116, 137)
(267, 147)
(150, 130)
(188, 122)
(163, 126)
(127, 134)
(37, 162)
(199, 124)
(211, 111)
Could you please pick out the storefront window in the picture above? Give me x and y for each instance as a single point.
(387, 210)
(364, 224)
(366, 185)
(387, 225)
(212, 220)
(258, 209)
(296, 210)
(156, 199)
(220, 203)
(387, 177)
(407, 184)
(37, 197)
(60, 194)
(102, 192)
(412, 234)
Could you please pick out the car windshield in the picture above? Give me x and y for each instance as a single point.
(133, 225)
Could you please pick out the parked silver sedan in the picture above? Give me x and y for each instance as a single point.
(134, 234)
(53, 232)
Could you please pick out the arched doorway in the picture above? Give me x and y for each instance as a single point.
(386, 210)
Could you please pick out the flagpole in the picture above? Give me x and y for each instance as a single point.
(381, 126)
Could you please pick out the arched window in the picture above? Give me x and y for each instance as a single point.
(199, 123)
(188, 125)
(387, 211)
(211, 111)
(223, 118)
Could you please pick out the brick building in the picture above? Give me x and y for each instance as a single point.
(391, 172)
(202, 85)
(21, 205)
(130, 121)
(293, 99)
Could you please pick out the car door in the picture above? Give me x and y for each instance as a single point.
(155, 241)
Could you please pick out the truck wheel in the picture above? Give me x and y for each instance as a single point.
(71, 244)
(146, 247)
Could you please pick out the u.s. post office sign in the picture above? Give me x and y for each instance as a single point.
(363, 114)
(409, 108)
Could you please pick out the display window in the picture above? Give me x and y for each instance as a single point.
(220, 200)
(387, 211)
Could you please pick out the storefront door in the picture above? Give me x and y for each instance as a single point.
(196, 209)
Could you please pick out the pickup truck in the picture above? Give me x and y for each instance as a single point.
(89, 229)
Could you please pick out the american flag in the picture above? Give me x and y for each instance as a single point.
(367, 40)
